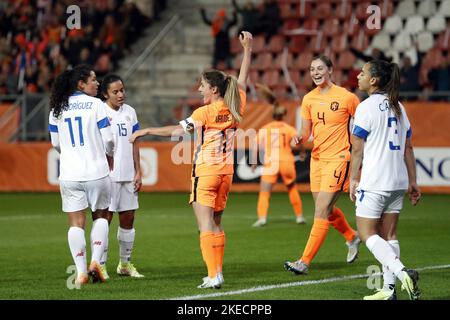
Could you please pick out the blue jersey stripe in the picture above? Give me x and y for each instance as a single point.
(136, 127)
(103, 123)
(360, 132)
(52, 128)
(409, 133)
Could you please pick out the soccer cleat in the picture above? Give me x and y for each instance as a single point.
(300, 220)
(382, 294)
(95, 271)
(104, 271)
(297, 267)
(259, 223)
(81, 279)
(409, 283)
(128, 269)
(353, 249)
(220, 277)
(210, 283)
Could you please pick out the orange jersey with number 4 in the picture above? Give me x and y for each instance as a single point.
(215, 129)
(275, 137)
(330, 114)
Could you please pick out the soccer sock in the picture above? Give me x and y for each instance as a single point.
(318, 233)
(126, 242)
(389, 276)
(219, 247)
(77, 245)
(208, 252)
(296, 201)
(263, 204)
(99, 233)
(384, 253)
(338, 221)
(105, 252)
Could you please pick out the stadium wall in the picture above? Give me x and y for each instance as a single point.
(34, 166)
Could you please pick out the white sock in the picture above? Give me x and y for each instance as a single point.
(77, 245)
(384, 253)
(126, 241)
(104, 257)
(99, 234)
(389, 276)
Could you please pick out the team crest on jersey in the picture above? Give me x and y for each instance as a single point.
(334, 106)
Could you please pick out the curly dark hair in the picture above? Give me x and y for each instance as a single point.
(65, 85)
(104, 85)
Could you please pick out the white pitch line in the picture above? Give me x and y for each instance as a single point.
(293, 284)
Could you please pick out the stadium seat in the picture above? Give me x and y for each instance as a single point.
(276, 43)
(425, 41)
(271, 78)
(393, 24)
(427, 8)
(331, 27)
(361, 10)
(311, 24)
(444, 8)
(414, 24)
(259, 44)
(304, 8)
(339, 43)
(343, 10)
(237, 61)
(346, 60)
(303, 61)
(352, 26)
(295, 77)
(254, 76)
(318, 43)
(279, 61)
(288, 11)
(381, 41)
(360, 41)
(297, 44)
(306, 80)
(235, 46)
(436, 23)
(263, 61)
(402, 41)
(323, 10)
(387, 8)
(406, 8)
(290, 24)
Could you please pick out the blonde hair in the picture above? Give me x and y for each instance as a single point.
(228, 89)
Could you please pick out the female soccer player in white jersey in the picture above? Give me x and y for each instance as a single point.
(80, 131)
(382, 144)
(125, 172)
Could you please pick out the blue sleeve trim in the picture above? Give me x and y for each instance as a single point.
(52, 128)
(136, 127)
(409, 133)
(360, 132)
(103, 123)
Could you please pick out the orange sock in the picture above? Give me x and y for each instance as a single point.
(219, 247)
(338, 221)
(208, 252)
(318, 233)
(263, 204)
(296, 201)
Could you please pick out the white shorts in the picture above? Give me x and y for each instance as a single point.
(372, 204)
(78, 195)
(123, 197)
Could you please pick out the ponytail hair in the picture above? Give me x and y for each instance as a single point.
(388, 75)
(228, 89)
(65, 85)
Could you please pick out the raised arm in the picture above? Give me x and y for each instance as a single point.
(246, 40)
(166, 131)
(410, 161)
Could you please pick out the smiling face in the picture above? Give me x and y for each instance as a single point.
(208, 93)
(89, 87)
(320, 73)
(116, 94)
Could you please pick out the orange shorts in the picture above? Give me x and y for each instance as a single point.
(285, 168)
(329, 176)
(211, 191)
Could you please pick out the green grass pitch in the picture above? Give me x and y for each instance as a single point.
(34, 253)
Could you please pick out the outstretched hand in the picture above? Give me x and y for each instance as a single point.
(246, 39)
(137, 134)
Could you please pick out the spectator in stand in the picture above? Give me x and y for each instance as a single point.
(220, 30)
(440, 79)
(409, 78)
(250, 17)
(270, 18)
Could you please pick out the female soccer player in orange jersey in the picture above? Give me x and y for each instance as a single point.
(275, 139)
(326, 111)
(212, 171)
